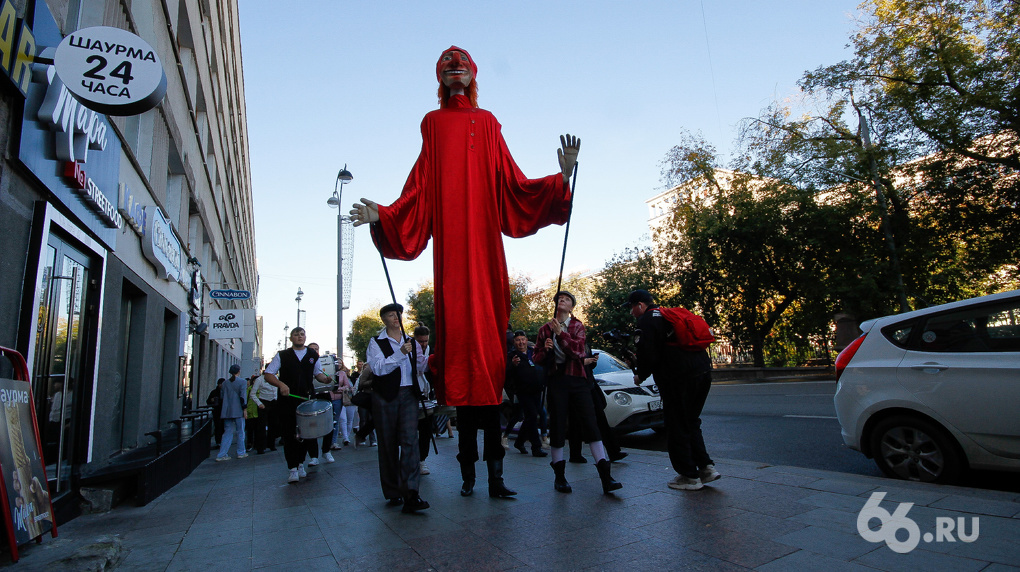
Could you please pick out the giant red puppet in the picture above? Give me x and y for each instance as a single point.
(465, 191)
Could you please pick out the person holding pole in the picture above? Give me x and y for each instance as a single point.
(465, 192)
(395, 402)
(561, 349)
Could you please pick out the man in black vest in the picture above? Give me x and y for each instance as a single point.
(292, 371)
(395, 403)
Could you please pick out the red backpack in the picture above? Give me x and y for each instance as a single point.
(690, 331)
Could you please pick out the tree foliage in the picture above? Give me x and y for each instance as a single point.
(894, 178)
(363, 328)
(421, 306)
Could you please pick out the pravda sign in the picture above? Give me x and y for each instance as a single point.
(111, 70)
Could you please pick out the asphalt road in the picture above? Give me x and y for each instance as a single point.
(787, 423)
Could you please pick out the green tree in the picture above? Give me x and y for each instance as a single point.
(744, 247)
(935, 80)
(632, 269)
(363, 328)
(421, 306)
(948, 69)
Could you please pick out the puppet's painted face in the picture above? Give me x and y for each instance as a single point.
(455, 69)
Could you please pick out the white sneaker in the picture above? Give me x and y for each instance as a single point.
(301, 471)
(329, 457)
(505, 441)
(227, 458)
(545, 441)
(708, 474)
(423, 469)
(314, 462)
(293, 478)
(682, 483)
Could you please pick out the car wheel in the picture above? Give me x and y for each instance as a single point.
(914, 449)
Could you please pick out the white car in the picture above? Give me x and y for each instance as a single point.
(629, 407)
(933, 392)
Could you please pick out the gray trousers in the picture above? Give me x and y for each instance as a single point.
(396, 428)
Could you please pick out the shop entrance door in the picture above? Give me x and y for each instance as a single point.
(62, 350)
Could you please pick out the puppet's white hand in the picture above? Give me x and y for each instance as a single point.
(364, 212)
(567, 154)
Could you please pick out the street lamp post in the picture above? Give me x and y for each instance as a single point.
(298, 300)
(344, 176)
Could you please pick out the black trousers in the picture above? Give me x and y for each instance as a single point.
(396, 427)
(265, 426)
(605, 431)
(294, 449)
(514, 413)
(471, 418)
(570, 398)
(425, 433)
(682, 402)
(217, 430)
(531, 403)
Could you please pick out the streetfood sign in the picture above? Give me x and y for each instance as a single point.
(161, 247)
(111, 70)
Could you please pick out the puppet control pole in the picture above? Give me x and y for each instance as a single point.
(414, 348)
(563, 258)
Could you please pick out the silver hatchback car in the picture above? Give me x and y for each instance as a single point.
(933, 392)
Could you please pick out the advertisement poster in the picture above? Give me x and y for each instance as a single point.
(28, 498)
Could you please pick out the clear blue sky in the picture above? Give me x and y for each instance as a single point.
(329, 83)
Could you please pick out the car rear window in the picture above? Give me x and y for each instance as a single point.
(986, 328)
(899, 334)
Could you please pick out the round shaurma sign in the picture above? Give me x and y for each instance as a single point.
(111, 70)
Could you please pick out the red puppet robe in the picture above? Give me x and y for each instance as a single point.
(464, 191)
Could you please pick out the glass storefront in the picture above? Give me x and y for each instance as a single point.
(61, 353)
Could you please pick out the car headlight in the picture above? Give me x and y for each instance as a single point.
(622, 398)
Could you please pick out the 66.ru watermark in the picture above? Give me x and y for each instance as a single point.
(891, 524)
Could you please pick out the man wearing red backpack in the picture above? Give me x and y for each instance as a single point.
(671, 349)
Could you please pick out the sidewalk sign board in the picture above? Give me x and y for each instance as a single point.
(27, 510)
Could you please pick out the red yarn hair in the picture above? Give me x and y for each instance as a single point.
(471, 92)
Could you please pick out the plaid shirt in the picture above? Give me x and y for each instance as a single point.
(571, 340)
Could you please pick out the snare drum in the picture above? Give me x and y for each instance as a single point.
(314, 419)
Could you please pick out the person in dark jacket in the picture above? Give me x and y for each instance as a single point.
(527, 379)
(215, 400)
(684, 379)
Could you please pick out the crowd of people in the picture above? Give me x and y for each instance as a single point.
(549, 389)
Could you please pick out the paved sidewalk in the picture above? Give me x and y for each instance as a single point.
(240, 515)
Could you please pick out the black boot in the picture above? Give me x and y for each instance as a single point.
(496, 487)
(560, 484)
(467, 472)
(608, 483)
(413, 503)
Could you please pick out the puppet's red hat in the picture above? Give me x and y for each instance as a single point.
(474, 66)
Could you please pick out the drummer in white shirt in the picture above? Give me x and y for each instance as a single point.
(292, 371)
